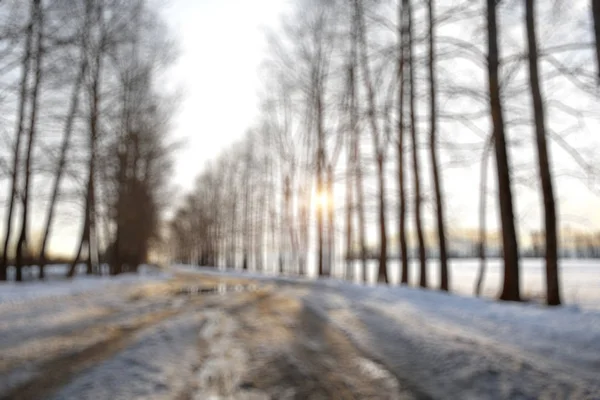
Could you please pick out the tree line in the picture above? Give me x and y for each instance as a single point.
(365, 106)
(84, 133)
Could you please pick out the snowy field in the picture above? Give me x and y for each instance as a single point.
(580, 279)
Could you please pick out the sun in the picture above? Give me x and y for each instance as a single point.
(322, 200)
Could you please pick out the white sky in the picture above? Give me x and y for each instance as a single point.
(221, 47)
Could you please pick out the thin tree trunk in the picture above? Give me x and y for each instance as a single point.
(552, 284)
(349, 271)
(510, 287)
(23, 243)
(74, 105)
(84, 235)
(596, 18)
(415, 151)
(351, 178)
(360, 209)
(246, 216)
(382, 275)
(401, 186)
(330, 222)
(260, 228)
(91, 192)
(435, 169)
(379, 151)
(94, 97)
(482, 218)
(25, 65)
(320, 186)
(360, 201)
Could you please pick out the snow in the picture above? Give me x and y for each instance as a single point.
(438, 345)
(471, 347)
(157, 365)
(462, 347)
(58, 286)
(579, 278)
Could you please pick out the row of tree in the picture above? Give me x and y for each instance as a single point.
(345, 83)
(85, 123)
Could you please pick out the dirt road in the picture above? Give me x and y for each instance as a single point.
(193, 337)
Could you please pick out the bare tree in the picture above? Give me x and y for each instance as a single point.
(379, 143)
(435, 169)
(34, 108)
(510, 288)
(66, 141)
(596, 18)
(552, 287)
(415, 145)
(402, 49)
(25, 69)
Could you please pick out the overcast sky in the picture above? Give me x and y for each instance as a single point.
(221, 47)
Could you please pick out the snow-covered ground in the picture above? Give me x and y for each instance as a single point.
(284, 337)
(473, 348)
(580, 278)
(57, 285)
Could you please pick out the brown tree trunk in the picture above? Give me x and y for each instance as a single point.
(25, 65)
(330, 222)
(382, 275)
(596, 18)
(379, 151)
(349, 259)
(260, 226)
(552, 284)
(510, 287)
(360, 198)
(355, 150)
(415, 151)
(402, 26)
(320, 185)
(23, 243)
(435, 169)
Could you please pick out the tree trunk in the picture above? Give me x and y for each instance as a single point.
(25, 65)
(510, 288)
(260, 227)
(320, 186)
(360, 202)
(482, 218)
(246, 215)
(23, 243)
(94, 98)
(401, 187)
(435, 169)
(415, 151)
(596, 18)
(382, 275)
(552, 284)
(330, 222)
(349, 259)
(68, 130)
(379, 150)
(84, 235)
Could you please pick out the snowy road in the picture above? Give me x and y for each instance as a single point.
(206, 335)
(179, 339)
